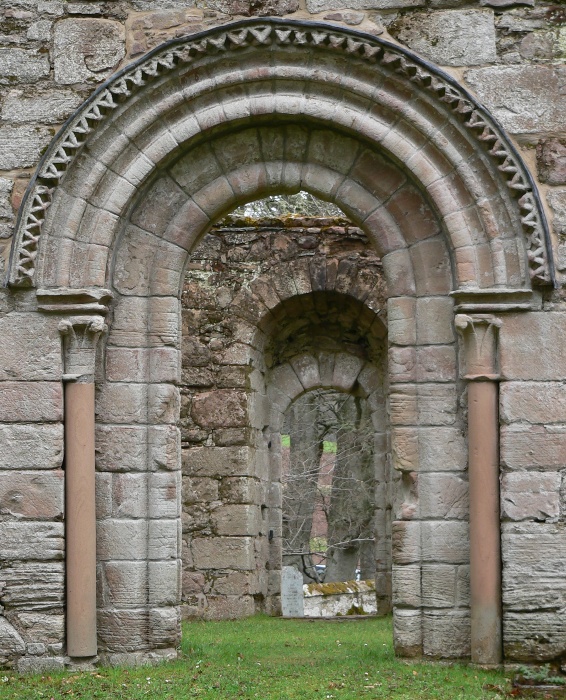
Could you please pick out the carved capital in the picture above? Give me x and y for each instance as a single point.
(480, 336)
(80, 338)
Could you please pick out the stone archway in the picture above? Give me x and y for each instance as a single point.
(170, 144)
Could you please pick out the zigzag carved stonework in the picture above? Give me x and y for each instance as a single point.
(307, 36)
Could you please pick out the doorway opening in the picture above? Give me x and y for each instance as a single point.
(313, 267)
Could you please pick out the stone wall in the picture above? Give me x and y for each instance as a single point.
(230, 565)
(53, 55)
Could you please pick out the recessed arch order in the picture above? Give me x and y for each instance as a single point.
(381, 96)
(179, 138)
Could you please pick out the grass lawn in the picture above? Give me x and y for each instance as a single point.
(265, 657)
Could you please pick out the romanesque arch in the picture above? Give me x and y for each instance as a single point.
(173, 142)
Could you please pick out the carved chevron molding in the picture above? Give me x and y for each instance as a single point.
(111, 94)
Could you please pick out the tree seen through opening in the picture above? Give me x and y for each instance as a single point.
(329, 487)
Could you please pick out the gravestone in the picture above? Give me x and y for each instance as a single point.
(292, 592)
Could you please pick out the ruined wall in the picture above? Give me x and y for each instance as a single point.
(227, 556)
(53, 54)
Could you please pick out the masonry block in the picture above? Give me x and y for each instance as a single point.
(442, 625)
(217, 461)
(223, 553)
(85, 50)
(530, 495)
(31, 541)
(443, 495)
(407, 632)
(31, 402)
(31, 446)
(32, 495)
(515, 94)
(450, 37)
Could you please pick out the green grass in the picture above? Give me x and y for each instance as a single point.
(276, 659)
(327, 445)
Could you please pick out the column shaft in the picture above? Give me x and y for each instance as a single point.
(485, 544)
(80, 519)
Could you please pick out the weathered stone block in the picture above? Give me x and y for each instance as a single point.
(31, 446)
(10, 640)
(406, 586)
(34, 495)
(533, 446)
(557, 202)
(533, 346)
(122, 630)
(534, 636)
(442, 449)
(165, 627)
(551, 161)
(164, 582)
(346, 370)
(86, 50)
(442, 625)
(217, 461)
(164, 540)
(121, 539)
(437, 404)
(41, 627)
(118, 402)
(223, 408)
(436, 363)
(237, 520)
(530, 495)
(402, 324)
(223, 553)
(165, 495)
(518, 95)
(445, 541)
(129, 495)
(164, 447)
(199, 489)
(153, 28)
(34, 352)
(237, 583)
(6, 187)
(226, 607)
(535, 402)
(450, 37)
(52, 107)
(40, 664)
(533, 566)
(443, 495)
(32, 540)
(439, 585)
(406, 542)
(306, 369)
(22, 146)
(407, 632)
(434, 320)
(285, 380)
(123, 583)
(323, 5)
(33, 585)
(240, 489)
(22, 65)
(121, 448)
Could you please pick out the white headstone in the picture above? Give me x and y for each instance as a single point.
(292, 592)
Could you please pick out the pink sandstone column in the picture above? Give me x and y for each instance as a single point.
(479, 333)
(80, 337)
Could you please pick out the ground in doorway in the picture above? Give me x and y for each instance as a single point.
(277, 659)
